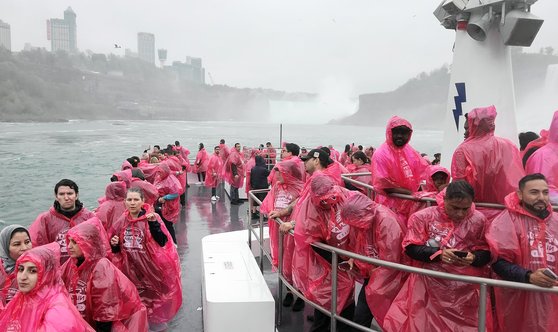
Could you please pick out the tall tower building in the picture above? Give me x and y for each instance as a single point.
(5, 36)
(146, 47)
(62, 32)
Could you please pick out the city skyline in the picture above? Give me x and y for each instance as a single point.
(359, 47)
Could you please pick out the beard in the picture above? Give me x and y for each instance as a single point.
(535, 211)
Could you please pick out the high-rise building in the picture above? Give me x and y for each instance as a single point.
(190, 71)
(62, 32)
(146, 47)
(5, 36)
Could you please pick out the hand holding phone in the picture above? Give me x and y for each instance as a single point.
(460, 254)
(549, 273)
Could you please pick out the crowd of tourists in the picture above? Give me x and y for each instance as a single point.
(117, 269)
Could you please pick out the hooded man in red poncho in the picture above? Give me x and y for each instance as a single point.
(234, 172)
(524, 241)
(397, 167)
(374, 232)
(446, 238)
(490, 164)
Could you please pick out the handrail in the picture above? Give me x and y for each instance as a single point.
(482, 282)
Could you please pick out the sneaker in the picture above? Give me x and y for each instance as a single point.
(288, 300)
(214, 198)
(217, 197)
(198, 183)
(298, 305)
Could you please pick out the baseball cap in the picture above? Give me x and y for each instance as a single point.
(318, 153)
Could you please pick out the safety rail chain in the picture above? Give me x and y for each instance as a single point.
(336, 252)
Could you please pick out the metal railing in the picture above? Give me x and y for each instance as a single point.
(483, 283)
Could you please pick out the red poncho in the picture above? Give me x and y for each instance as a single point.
(166, 183)
(175, 165)
(46, 307)
(280, 196)
(318, 219)
(375, 232)
(532, 243)
(545, 160)
(150, 192)
(9, 289)
(97, 288)
(202, 159)
(183, 154)
(430, 304)
(213, 175)
(235, 158)
(368, 179)
(52, 226)
(397, 167)
(490, 164)
(113, 207)
(155, 270)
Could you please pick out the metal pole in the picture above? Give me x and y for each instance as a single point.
(333, 309)
(261, 244)
(482, 308)
(249, 222)
(279, 274)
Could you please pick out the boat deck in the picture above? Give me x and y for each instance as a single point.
(198, 218)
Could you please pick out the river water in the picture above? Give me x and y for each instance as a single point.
(37, 155)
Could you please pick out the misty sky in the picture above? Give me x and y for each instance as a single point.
(293, 45)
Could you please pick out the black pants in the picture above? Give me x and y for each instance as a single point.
(362, 315)
(322, 321)
(201, 177)
(183, 199)
(213, 191)
(234, 194)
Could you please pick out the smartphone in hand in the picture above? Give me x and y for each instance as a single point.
(461, 254)
(549, 273)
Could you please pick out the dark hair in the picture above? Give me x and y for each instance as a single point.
(530, 177)
(177, 143)
(222, 141)
(216, 147)
(260, 161)
(292, 148)
(133, 161)
(236, 144)
(360, 147)
(157, 146)
(459, 190)
(268, 143)
(525, 138)
(327, 150)
(66, 183)
(201, 145)
(347, 148)
(361, 156)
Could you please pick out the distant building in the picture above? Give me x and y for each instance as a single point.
(62, 33)
(5, 36)
(162, 56)
(190, 71)
(146, 47)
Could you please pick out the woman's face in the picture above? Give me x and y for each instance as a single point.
(74, 250)
(357, 161)
(27, 276)
(19, 243)
(278, 176)
(134, 202)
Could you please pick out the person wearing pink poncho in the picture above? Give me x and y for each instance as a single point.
(248, 167)
(14, 241)
(286, 188)
(335, 155)
(360, 164)
(533, 146)
(67, 211)
(397, 167)
(42, 303)
(524, 242)
(224, 150)
(545, 160)
(374, 232)
(213, 177)
(200, 165)
(234, 173)
(270, 155)
(103, 295)
(168, 204)
(317, 219)
(447, 238)
(141, 247)
(113, 207)
(490, 164)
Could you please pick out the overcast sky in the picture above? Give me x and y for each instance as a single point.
(293, 45)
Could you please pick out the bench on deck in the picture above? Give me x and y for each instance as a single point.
(235, 295)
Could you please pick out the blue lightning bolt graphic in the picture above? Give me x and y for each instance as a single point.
(459, 100)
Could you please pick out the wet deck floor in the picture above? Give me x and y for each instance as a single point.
(199, 218)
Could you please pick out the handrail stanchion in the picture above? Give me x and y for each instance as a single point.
(261, 244)
(279, 274)
(482, 308)
(333, 309)
(249, 222)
